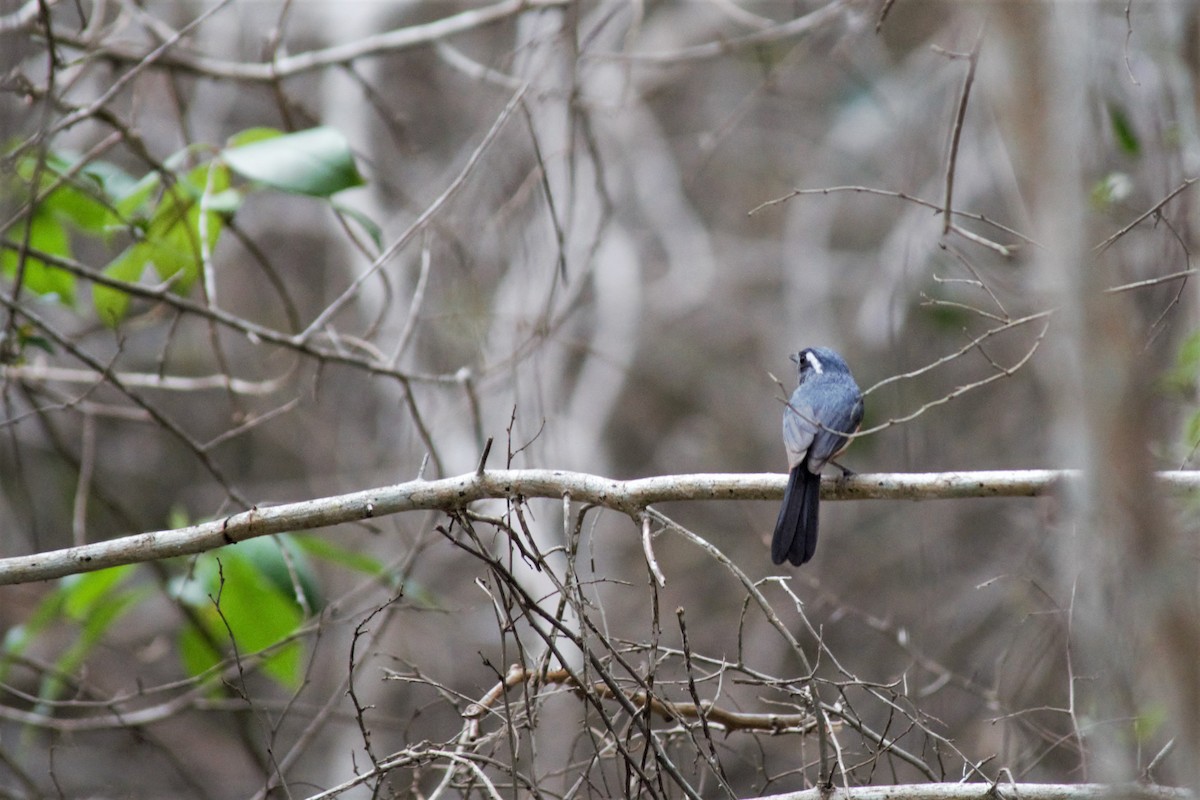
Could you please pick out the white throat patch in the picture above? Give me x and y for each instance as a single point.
(814, 362)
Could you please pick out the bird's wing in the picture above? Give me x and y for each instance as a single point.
(799, 429)
(840, 414)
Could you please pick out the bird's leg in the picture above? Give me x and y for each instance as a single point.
(846, 471)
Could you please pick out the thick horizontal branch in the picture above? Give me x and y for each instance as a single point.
(1001, 791)
(629, 497)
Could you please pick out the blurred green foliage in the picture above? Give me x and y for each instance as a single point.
(169, 220)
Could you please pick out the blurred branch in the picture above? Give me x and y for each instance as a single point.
(392, 41)
(956, 133)
(24, 17)
(321, 320)
(999, 373)
(899, 196)
(982, 791)
(141, 64)
(253, 331)
(160, 417)
(628, 497)
(1145, 215)
(45, 373)
(725, 719)
(1007, 324)
(1174, 276)
(786, 30)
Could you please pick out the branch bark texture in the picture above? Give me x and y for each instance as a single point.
(1000, 791)
(628, 497)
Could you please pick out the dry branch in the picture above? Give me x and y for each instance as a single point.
(628, 497)
(726, 719)
(388, 42)
(1001, 791)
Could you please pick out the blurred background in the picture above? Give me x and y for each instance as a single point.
(560, 242)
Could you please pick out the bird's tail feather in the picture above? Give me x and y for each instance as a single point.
(795, 538)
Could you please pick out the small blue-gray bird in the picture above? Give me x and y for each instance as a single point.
(826, 406)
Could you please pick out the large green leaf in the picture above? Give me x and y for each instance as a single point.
(285, 570)
(47, 235)
(315, 162)
(236, 595)
(321, 547)
(82, 593)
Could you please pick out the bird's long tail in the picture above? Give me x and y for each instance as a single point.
(795, 538)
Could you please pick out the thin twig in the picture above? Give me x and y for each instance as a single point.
(1174, 276)
(956, 133)
(1002, 373)
(393, 41)
(140, 65)
(1128, 37)
(159, 417)
(969, 346)
(414, 306)
(419, 224)
(1100, 248)
(648, 552)
(894, 194)
(800, 26)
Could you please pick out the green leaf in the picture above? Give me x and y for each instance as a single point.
(46, 234)
(242, 600)
(1182, 377)
(177, 517)
(85, 199)
(113, 304)
(102, 613)
(112, 181)
(321, 548)
(83, 593)
(369, 225)
(196, 654)
(20, 637)
(1150, 722)
(171, 241)
(315, 162)
(1126, 136)
(94, 602)
(945, 317)
(88, 198)
(33, 340)
(1191, 431)
(267, 556)
(252, 135)
(84, 211)
(132, 203)
(174, 232)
